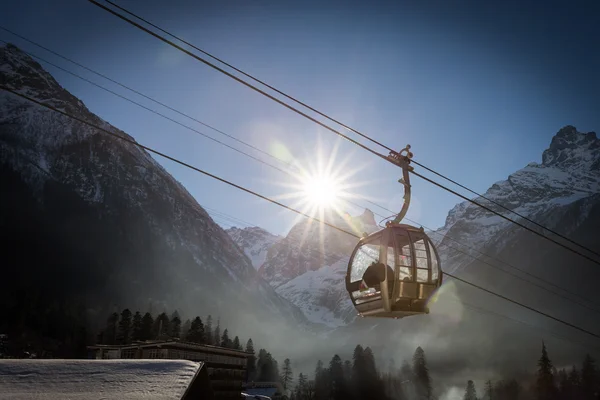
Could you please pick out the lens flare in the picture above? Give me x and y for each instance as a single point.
(321, 190)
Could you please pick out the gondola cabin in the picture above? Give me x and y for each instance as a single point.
(393, 273)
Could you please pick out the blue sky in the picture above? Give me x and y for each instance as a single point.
(477, 88)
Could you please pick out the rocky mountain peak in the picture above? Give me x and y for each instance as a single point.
(368, 218)
(22, 73)
(570, 147)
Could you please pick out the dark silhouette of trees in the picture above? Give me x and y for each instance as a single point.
(185, 328)
(175, 325)
(251, 366)
(209, 331)
(217, 334)
(507, 390)
(160, 329)
(196, 332)
(470, 393)
(267, 368)
(236, 344)
(287, 376)
(421, 380)
(589, 379)
(488, 394)
(225, 340)
(136, 326)
(300, 390)
(338, 388)
(544, 388)
(147, 324)
(322, 382)
(124, 334)
(110, 333)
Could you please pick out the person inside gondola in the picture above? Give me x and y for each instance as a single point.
(375, 274)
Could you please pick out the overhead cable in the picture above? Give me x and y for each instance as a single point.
(182, 163)
(325, 116)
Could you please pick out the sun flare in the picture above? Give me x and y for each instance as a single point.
(321, 191)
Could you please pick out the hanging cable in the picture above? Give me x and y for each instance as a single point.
(328, 117)
(182, 163)
(256, 159)
(326, 126)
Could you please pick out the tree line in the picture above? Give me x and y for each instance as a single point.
(127, 327)
(581, 383)
(360, 378)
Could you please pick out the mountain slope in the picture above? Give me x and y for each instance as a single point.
(112, 218)
(308, 267)
(254, 241)
(569, 172)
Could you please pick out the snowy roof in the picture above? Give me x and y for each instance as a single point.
(94, 379)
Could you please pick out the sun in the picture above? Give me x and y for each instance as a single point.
(321, 190)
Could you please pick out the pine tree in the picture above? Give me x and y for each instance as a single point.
(348, 370)
(545, 389)
(359, 373)
(286, 374)
(160, 329)
(337, 386)
(507, 390)
(301, 387)
(261, 360)
(589, 378)
(136, 327)
(422, 381)
(110, 333)
(407, 380)
(373, 383)
(574, 383)
(489, 391)
(236, 344)
(564, 385)
(251, 365)
(217, 334)
(267, 368)
(147, 324)
(124, 335)
(196, 332)
(185, 328)
(175, 325)
(225, 341)
(321, 382)
(470, 393)
(209, 331)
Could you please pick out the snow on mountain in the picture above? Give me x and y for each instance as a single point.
(108, 205)
(308, 267)
(310, 245)
(254, 241)
(321, 294)
(570, 171)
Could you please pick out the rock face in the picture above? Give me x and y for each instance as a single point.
(254, 241)
(569, 174)
(308, 267)
(99, 223)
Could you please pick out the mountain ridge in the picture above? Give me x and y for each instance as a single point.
(150, 238)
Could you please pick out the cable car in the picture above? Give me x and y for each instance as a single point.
(393, 273)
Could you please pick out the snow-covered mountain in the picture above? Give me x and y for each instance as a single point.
(97, 219)
(254, 241)
(569, 172)
(308, 266)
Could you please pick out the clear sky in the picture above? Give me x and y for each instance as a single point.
(477, 88)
